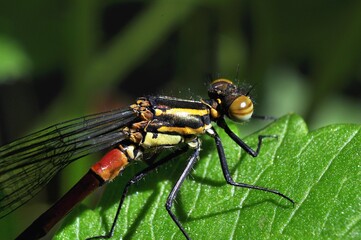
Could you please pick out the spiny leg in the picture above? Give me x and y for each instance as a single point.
(135, 179)
(227, 175)
(173, 194)
(254, 153)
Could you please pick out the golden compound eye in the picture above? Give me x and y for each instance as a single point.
(222, 80)
(241, 109)
(221, 85)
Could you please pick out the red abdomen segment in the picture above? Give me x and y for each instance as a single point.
(104, 170)
(42, 225)
(110, 165)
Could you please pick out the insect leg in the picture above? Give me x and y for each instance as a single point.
(173, 194)
(135, 179)
(254, 153)
(227, 175)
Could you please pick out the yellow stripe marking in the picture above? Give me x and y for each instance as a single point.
(184, 130)
(161, 139)
(182, 111)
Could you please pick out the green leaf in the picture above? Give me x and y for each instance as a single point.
(319, 170)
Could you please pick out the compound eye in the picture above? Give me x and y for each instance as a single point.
(241, 109)
(221, 81)
(220, 85)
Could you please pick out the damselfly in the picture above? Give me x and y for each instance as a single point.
(139, 132)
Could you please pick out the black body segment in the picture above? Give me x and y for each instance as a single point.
(178, 116)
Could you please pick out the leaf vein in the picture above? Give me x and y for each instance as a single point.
(330, 209)
(155, 209)
(320, 177)
(199, 188)
(350, 226)
(303, 149)
(277, 148)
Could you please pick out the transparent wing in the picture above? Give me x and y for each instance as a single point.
(27, 164)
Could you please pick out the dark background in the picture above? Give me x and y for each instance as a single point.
(63, 59)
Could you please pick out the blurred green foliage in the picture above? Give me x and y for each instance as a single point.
(61, 59)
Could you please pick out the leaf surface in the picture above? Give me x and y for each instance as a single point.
(319, 170)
